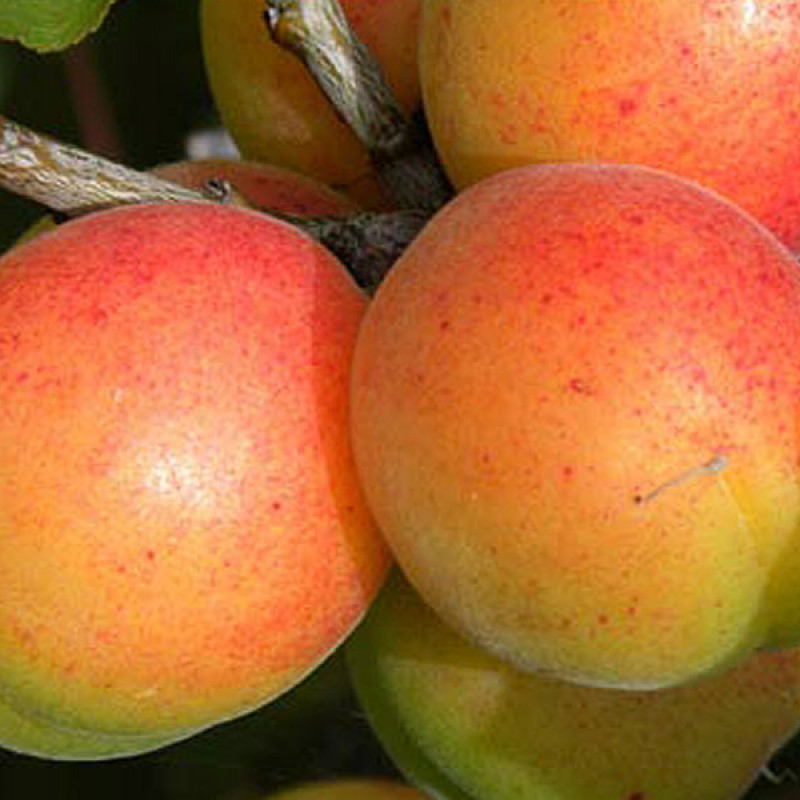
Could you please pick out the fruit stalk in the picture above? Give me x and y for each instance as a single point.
(368, 243)
(318, 33)
(72, 181)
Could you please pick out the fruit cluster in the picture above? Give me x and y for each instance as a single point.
(568, 415)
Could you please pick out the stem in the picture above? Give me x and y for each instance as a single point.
(318, 33)
(367, 243)
(73, 181)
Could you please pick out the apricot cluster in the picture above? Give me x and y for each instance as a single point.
(569, 415)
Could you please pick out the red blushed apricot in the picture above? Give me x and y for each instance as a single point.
(700, 89)
(262, 185)
(574, 412)
(182, 531)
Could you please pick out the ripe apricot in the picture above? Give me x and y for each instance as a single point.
(575, 404)
(182, 530)
(700, 89)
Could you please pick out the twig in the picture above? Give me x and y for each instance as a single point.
(368, 243)
(69, 180)
(73, 181)
(318, 33)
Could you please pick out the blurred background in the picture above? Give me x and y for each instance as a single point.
(136, 92)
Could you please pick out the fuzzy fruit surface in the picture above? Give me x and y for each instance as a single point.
(469, 726)
(274, 110)
(574, 415)
(182, 531)
(701, 89)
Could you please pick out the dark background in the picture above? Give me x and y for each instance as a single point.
(134, 91)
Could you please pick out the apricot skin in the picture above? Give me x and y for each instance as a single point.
(701, 89)
(183, 534)
(574, 415)
(29, 735)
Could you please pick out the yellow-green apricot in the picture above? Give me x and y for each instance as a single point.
(220, 761)
(31, 736)
(464, 725)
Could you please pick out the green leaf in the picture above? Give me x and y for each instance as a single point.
(48, 25)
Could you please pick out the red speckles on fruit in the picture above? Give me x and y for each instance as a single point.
(620, 446)
(580, 386)
(703, 91)
(146, 449)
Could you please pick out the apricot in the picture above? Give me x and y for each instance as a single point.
(274, 110)
(183, 534)
(701, 89)
(574, 414)
(361, 788)
(465, 725)
(264, 186)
